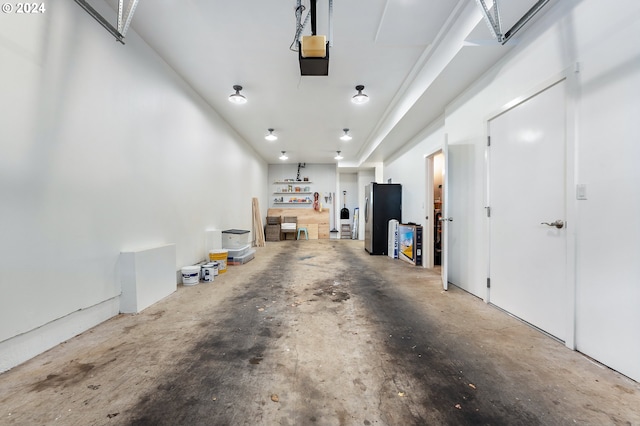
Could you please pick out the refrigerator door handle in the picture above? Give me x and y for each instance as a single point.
(366, 210)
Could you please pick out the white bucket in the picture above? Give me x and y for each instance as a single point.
(190, 275)
(208, 272)
(216, 266)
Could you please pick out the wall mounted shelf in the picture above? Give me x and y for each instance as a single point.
(292, 202)
(291, 182)
(293, 192)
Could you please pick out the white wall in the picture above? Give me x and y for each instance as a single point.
(608, 222)
(365, 177)
(606, 97)
(349, 183)
(104, 149)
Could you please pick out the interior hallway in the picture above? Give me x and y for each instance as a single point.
(316, 332)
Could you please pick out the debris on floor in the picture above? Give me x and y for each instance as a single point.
(256, 360)
(336, 296)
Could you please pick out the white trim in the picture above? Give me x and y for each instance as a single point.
(427, 247)
(572, 119)
(487, 205)
(446, 214)
(25, 346)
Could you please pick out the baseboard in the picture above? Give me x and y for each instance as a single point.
(23, 347)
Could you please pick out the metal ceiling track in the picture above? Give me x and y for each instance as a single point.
(495, 25)
(300, 25)
(124, 17)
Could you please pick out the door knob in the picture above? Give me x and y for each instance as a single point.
(558, 224)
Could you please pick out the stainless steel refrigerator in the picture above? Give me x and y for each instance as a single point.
(383, 202)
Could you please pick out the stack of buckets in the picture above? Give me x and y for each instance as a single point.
(208, 272)
(192, 275)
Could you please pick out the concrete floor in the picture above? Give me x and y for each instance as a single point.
(316, 333)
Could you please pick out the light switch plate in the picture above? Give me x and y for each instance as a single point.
(581, 191)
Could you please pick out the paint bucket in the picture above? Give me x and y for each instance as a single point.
(215, 268)
(190, 275)
(219, 256)
(207, 273)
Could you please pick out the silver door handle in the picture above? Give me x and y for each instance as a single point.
(558, 224)
(444, 219)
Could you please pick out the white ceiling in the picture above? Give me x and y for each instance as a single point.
(412, 56)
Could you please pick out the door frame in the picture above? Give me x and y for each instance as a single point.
(444, 210)
(570, 76)
(427, 247)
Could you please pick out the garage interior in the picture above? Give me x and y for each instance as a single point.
(135, 133)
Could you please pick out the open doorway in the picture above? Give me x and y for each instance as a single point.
(433, 210)
(438, 199)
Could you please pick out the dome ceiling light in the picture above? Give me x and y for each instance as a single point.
(346, 137)
(338, 157)
(237, 98)
(284, 156)
(271, 137)
(360, 98)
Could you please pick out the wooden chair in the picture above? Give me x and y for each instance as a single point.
(288, 226)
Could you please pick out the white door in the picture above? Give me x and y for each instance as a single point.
(462, 184)
(527, 175)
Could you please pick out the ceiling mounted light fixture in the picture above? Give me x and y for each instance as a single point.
(360, 98)
(271, 137)
(237, 98)
(338, 157)
(346, 136)
(284, 156)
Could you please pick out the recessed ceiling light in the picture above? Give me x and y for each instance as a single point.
(284, 156)
(271, 137)
(346, 136)
(237, 98)
(360, 98)
(338, 157)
